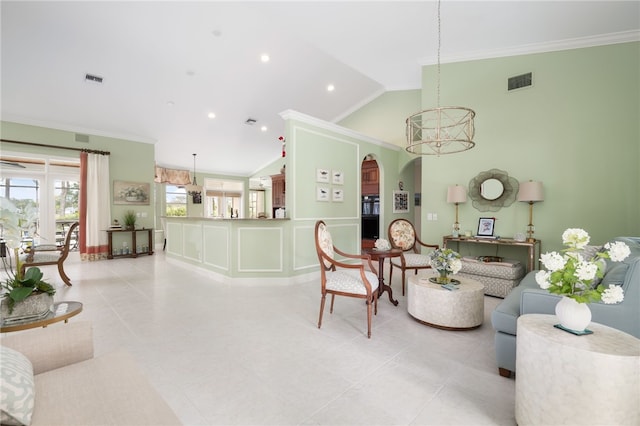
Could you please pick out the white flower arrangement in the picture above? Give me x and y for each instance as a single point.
(445, 261)
(571, 275)
(382, 244)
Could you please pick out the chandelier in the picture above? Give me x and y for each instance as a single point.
(195, 190)
(440, 130)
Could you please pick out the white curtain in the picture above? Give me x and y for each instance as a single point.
(95, 206)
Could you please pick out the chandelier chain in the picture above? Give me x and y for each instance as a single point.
(439, 44)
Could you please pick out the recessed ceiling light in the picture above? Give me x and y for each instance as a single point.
(211, 115)
(264, 57)
(216, 33)
(330, 88)
(264, 128)
(170, 103)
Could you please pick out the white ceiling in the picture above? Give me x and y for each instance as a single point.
(205, 57)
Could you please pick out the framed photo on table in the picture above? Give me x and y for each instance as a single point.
(486, 226)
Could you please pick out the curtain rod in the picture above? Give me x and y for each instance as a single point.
(90, 151)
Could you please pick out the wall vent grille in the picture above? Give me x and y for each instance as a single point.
(82, 138)
(520, 81)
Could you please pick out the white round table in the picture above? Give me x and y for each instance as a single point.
(433, 305)
(562, 378)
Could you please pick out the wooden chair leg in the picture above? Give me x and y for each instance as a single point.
(504, 372)
(403, 282)
(64, 276)
(369, 319)
(321, 310)
(333, 296)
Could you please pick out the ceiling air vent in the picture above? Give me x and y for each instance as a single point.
(520, 81)
(93, 78)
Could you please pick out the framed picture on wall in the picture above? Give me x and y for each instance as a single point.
(401, 201)
(337, 177)
(131, 193)
(337, 194)
(322, 193)
(322, 175)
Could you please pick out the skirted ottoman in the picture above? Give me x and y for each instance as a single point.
(498, 277)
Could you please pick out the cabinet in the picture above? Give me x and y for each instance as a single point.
(278, 191)
(134, 249)
(370, 178)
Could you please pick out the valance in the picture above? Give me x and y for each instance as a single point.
(172, 176)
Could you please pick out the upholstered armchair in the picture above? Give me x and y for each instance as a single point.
(402, 235)
(344, 279)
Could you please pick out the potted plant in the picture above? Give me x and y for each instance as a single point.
(130, 219)
(25, 296)
(28, 295)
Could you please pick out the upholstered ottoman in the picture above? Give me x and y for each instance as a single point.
(498, 277)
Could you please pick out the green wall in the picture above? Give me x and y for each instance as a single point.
(129, 160)
(576, 130)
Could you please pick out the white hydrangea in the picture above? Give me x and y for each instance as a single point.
(586, 271)
(575, 237)
(382, 244)
(456, 265)
(613, 294)
(542, 278)
(553, 261)
(618, 251)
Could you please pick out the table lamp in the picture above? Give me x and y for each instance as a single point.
(456, 194)
(530, 192)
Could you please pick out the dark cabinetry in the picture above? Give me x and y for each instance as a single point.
(278, 191)
(136, 248)
(370, 178)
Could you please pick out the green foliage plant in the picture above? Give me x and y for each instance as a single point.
(18, 287)
(130, 219)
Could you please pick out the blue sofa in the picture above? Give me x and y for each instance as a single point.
(529, 298)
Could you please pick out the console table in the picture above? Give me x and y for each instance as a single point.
(133, 250)
(530, 246)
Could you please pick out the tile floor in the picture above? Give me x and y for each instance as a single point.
(224, 354)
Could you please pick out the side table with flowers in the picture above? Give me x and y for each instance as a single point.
(446, 262)
(577, 279)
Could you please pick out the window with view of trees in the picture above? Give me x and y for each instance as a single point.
(176, 200)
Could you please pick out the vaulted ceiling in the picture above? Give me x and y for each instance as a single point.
(167, 65)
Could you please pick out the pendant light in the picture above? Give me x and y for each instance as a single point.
(440, 130)
(195, 190)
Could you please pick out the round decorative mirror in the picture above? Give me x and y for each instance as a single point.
(492, 190)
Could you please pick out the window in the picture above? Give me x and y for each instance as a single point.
(223, 198)
(176, 200)
(45, 189)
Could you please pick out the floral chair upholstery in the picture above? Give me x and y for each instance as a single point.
(402, 235)
(49, 255)
(344, 279)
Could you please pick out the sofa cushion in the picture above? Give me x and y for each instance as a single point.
(107, 390)
(18, 390)
(615, 274)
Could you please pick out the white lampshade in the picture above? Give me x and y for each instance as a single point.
(456, 194)
(530, 191)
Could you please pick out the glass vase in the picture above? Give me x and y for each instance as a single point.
(443, 277)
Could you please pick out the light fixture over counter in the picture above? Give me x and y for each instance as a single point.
(194, 190)
(440, 130)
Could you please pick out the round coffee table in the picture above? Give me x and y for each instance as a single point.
(62, 311)
(436, 306)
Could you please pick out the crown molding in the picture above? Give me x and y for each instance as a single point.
(527, 49)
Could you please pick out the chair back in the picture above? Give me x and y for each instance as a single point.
(402, 234)
(324, 244)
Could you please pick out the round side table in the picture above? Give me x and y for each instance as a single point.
(562, 378)
(433, 305)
